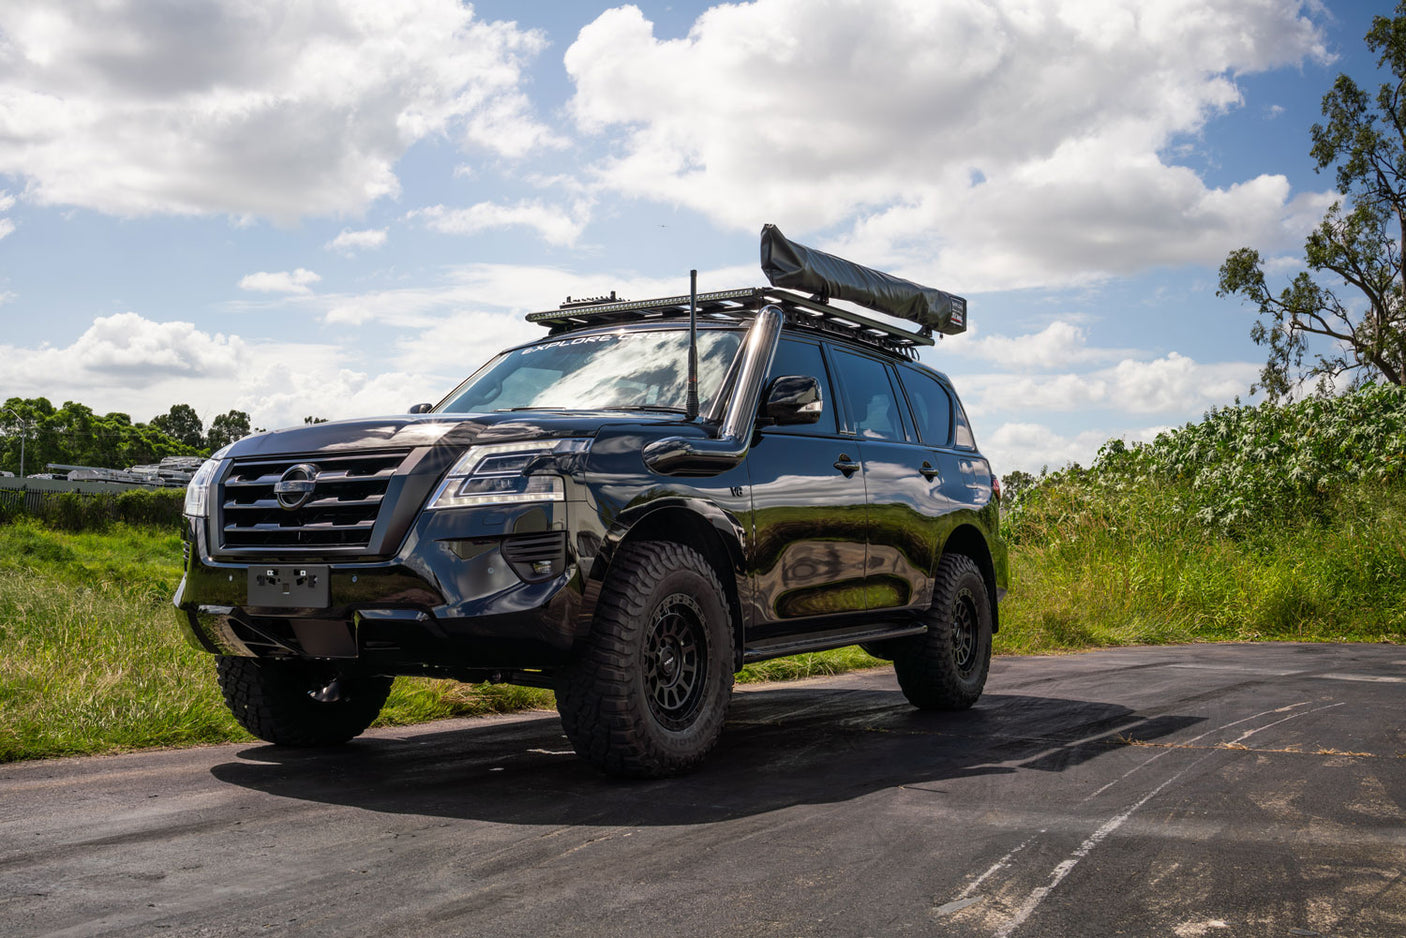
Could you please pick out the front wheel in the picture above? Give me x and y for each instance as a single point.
(648, 693)
(298, 702)
(945, 668)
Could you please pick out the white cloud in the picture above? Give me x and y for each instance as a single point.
(124, 350)
(7, 202)
(971, 144)
(132, 364)
(553, 224)
(1174, 385)
(284, 281)
(349, 242)
(250, 107)
(1031, 447)
(1059, 345)
(508, 288)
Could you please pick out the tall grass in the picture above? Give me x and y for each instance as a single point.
(91, 659)
(1256, 523)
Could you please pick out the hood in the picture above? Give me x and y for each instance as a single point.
(408, 431)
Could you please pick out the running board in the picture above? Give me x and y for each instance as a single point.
(823, 641)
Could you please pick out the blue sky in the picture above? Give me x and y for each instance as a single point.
(340, 207)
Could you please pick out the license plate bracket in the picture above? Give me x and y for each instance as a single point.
(290, 586)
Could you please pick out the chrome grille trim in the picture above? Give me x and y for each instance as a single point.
(348, 495)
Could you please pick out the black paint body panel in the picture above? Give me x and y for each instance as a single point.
(819, 533)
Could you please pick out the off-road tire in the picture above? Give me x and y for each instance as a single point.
(648, 693)
(300, 703)
(945, 668)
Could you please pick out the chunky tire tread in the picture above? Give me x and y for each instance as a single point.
(271, 699)
(925, 666)
(602, 697)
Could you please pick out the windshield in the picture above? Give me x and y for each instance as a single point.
(643, 370)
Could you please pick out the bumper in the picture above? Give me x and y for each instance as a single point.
(458, 599)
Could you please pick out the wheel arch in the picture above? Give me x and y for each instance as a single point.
(698, 524)
(967, 540)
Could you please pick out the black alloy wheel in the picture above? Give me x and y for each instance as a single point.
(647, 695)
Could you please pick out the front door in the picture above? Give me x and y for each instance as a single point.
(808, 511)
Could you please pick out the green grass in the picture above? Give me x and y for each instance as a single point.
(1132, 573)
(91, 659)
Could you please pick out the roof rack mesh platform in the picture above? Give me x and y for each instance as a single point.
(737, 304)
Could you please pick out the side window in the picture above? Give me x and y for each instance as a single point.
(932, 407)
(873, 407)
(963, 436)
(794, 357)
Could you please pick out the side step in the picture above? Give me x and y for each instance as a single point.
(823, 641)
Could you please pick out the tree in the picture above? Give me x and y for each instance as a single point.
(226, 428)
(1356, 250)
(74, 435)
(183, 424)
(1015, 485)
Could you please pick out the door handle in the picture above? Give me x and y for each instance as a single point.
(846, 465)
(927, 471)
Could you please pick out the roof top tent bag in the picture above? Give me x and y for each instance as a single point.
(788, 264)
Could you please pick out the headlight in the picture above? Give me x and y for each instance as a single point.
(198, 490)
(493, 475)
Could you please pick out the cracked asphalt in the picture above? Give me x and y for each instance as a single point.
(1185, 791)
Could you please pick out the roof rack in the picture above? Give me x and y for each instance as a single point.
(799, 311)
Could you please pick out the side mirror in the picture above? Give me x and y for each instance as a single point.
(420, 408)
(793, 399)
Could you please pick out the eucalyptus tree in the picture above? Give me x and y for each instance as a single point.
(1344, 317)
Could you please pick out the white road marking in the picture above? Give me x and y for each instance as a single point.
(957, 905)
(1365, 678)
(1248, 733)
(998, 865)
(1223, 726)
(1032, 902)
(1063, 869)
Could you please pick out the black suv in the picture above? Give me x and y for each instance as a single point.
(626, 511)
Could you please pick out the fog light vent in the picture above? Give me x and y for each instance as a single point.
(536, 557)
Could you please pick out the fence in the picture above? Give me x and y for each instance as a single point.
(80, 505)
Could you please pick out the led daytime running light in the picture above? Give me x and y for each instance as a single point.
(492, 467)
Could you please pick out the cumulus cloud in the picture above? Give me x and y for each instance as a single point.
(506, 288)
(1031, 447)
(975, 144)
(7, 202)
(283, 281)
(349, 242)
(553, 224)
(1059, 345)
(124, 350)
(1173, 384)
(139, 366)
(251, 108)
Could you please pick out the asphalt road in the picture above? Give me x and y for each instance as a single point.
(1186, 791)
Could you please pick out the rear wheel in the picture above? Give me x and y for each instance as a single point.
(945, 668)
(298, 702)
(648, 693)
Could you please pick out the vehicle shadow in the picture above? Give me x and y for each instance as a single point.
(782, 747)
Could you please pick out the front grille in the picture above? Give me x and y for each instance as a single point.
(340, 512)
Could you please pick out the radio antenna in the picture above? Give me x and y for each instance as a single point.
(691, 403)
